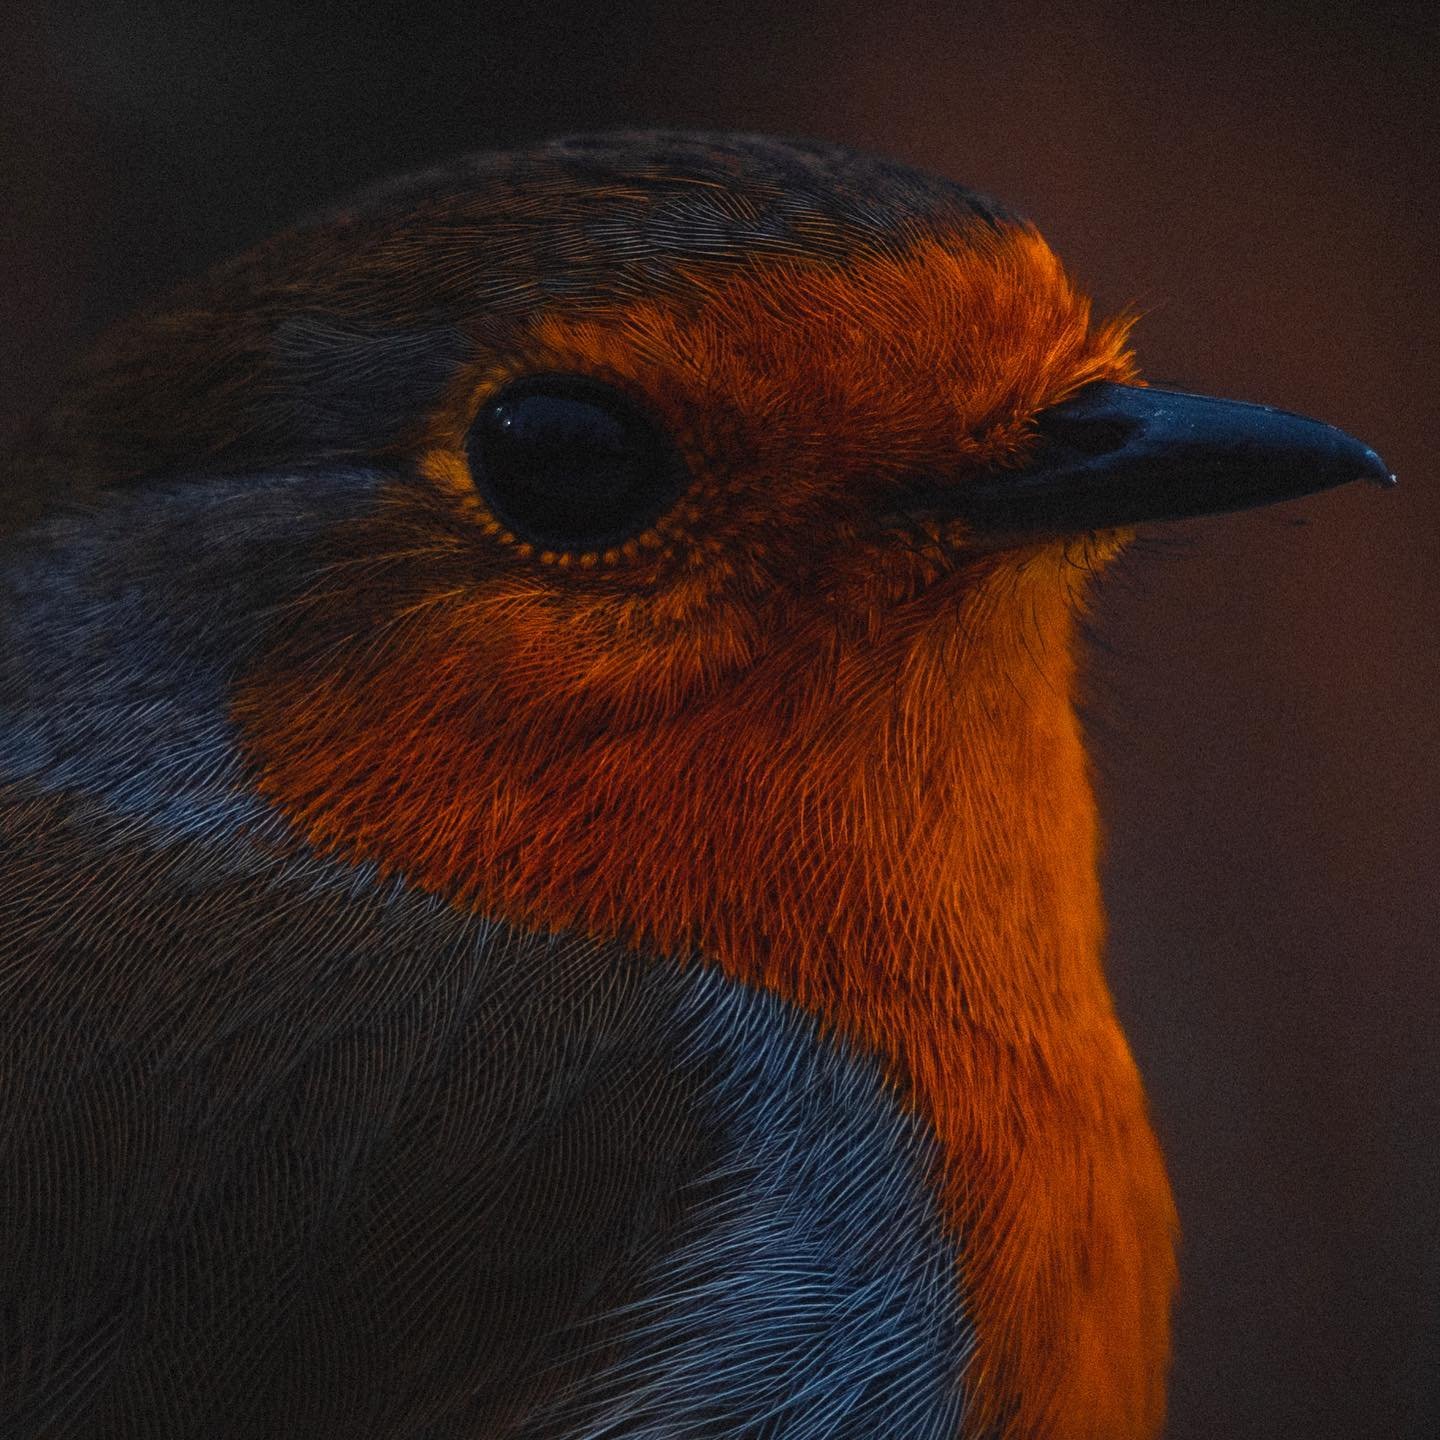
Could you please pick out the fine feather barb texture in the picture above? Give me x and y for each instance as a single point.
(363, 1166)
(458, 984)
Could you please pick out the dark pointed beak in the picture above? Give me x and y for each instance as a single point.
(1122, 454)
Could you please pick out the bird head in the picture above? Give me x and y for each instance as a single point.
(668, 491)
(599, 461)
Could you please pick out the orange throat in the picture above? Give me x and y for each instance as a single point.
(899, 837)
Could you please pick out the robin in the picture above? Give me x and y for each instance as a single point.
(550, 880)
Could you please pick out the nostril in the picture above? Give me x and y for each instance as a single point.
(1089, 435)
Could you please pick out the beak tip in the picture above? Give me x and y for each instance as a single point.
(1377, 472)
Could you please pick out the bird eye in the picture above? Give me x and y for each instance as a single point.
(571, 464)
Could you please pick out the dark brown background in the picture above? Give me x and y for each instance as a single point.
(1263, 181)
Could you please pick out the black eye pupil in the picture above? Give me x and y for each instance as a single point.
(569, 463)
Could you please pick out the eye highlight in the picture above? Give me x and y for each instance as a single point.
(569, 463)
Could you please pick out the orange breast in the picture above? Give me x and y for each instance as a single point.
(782, 843)
(890, 825)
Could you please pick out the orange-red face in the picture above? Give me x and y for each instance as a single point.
(516, 726)
(805, 399)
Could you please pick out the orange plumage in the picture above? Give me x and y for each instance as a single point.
(562, 698)
(829, 755)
